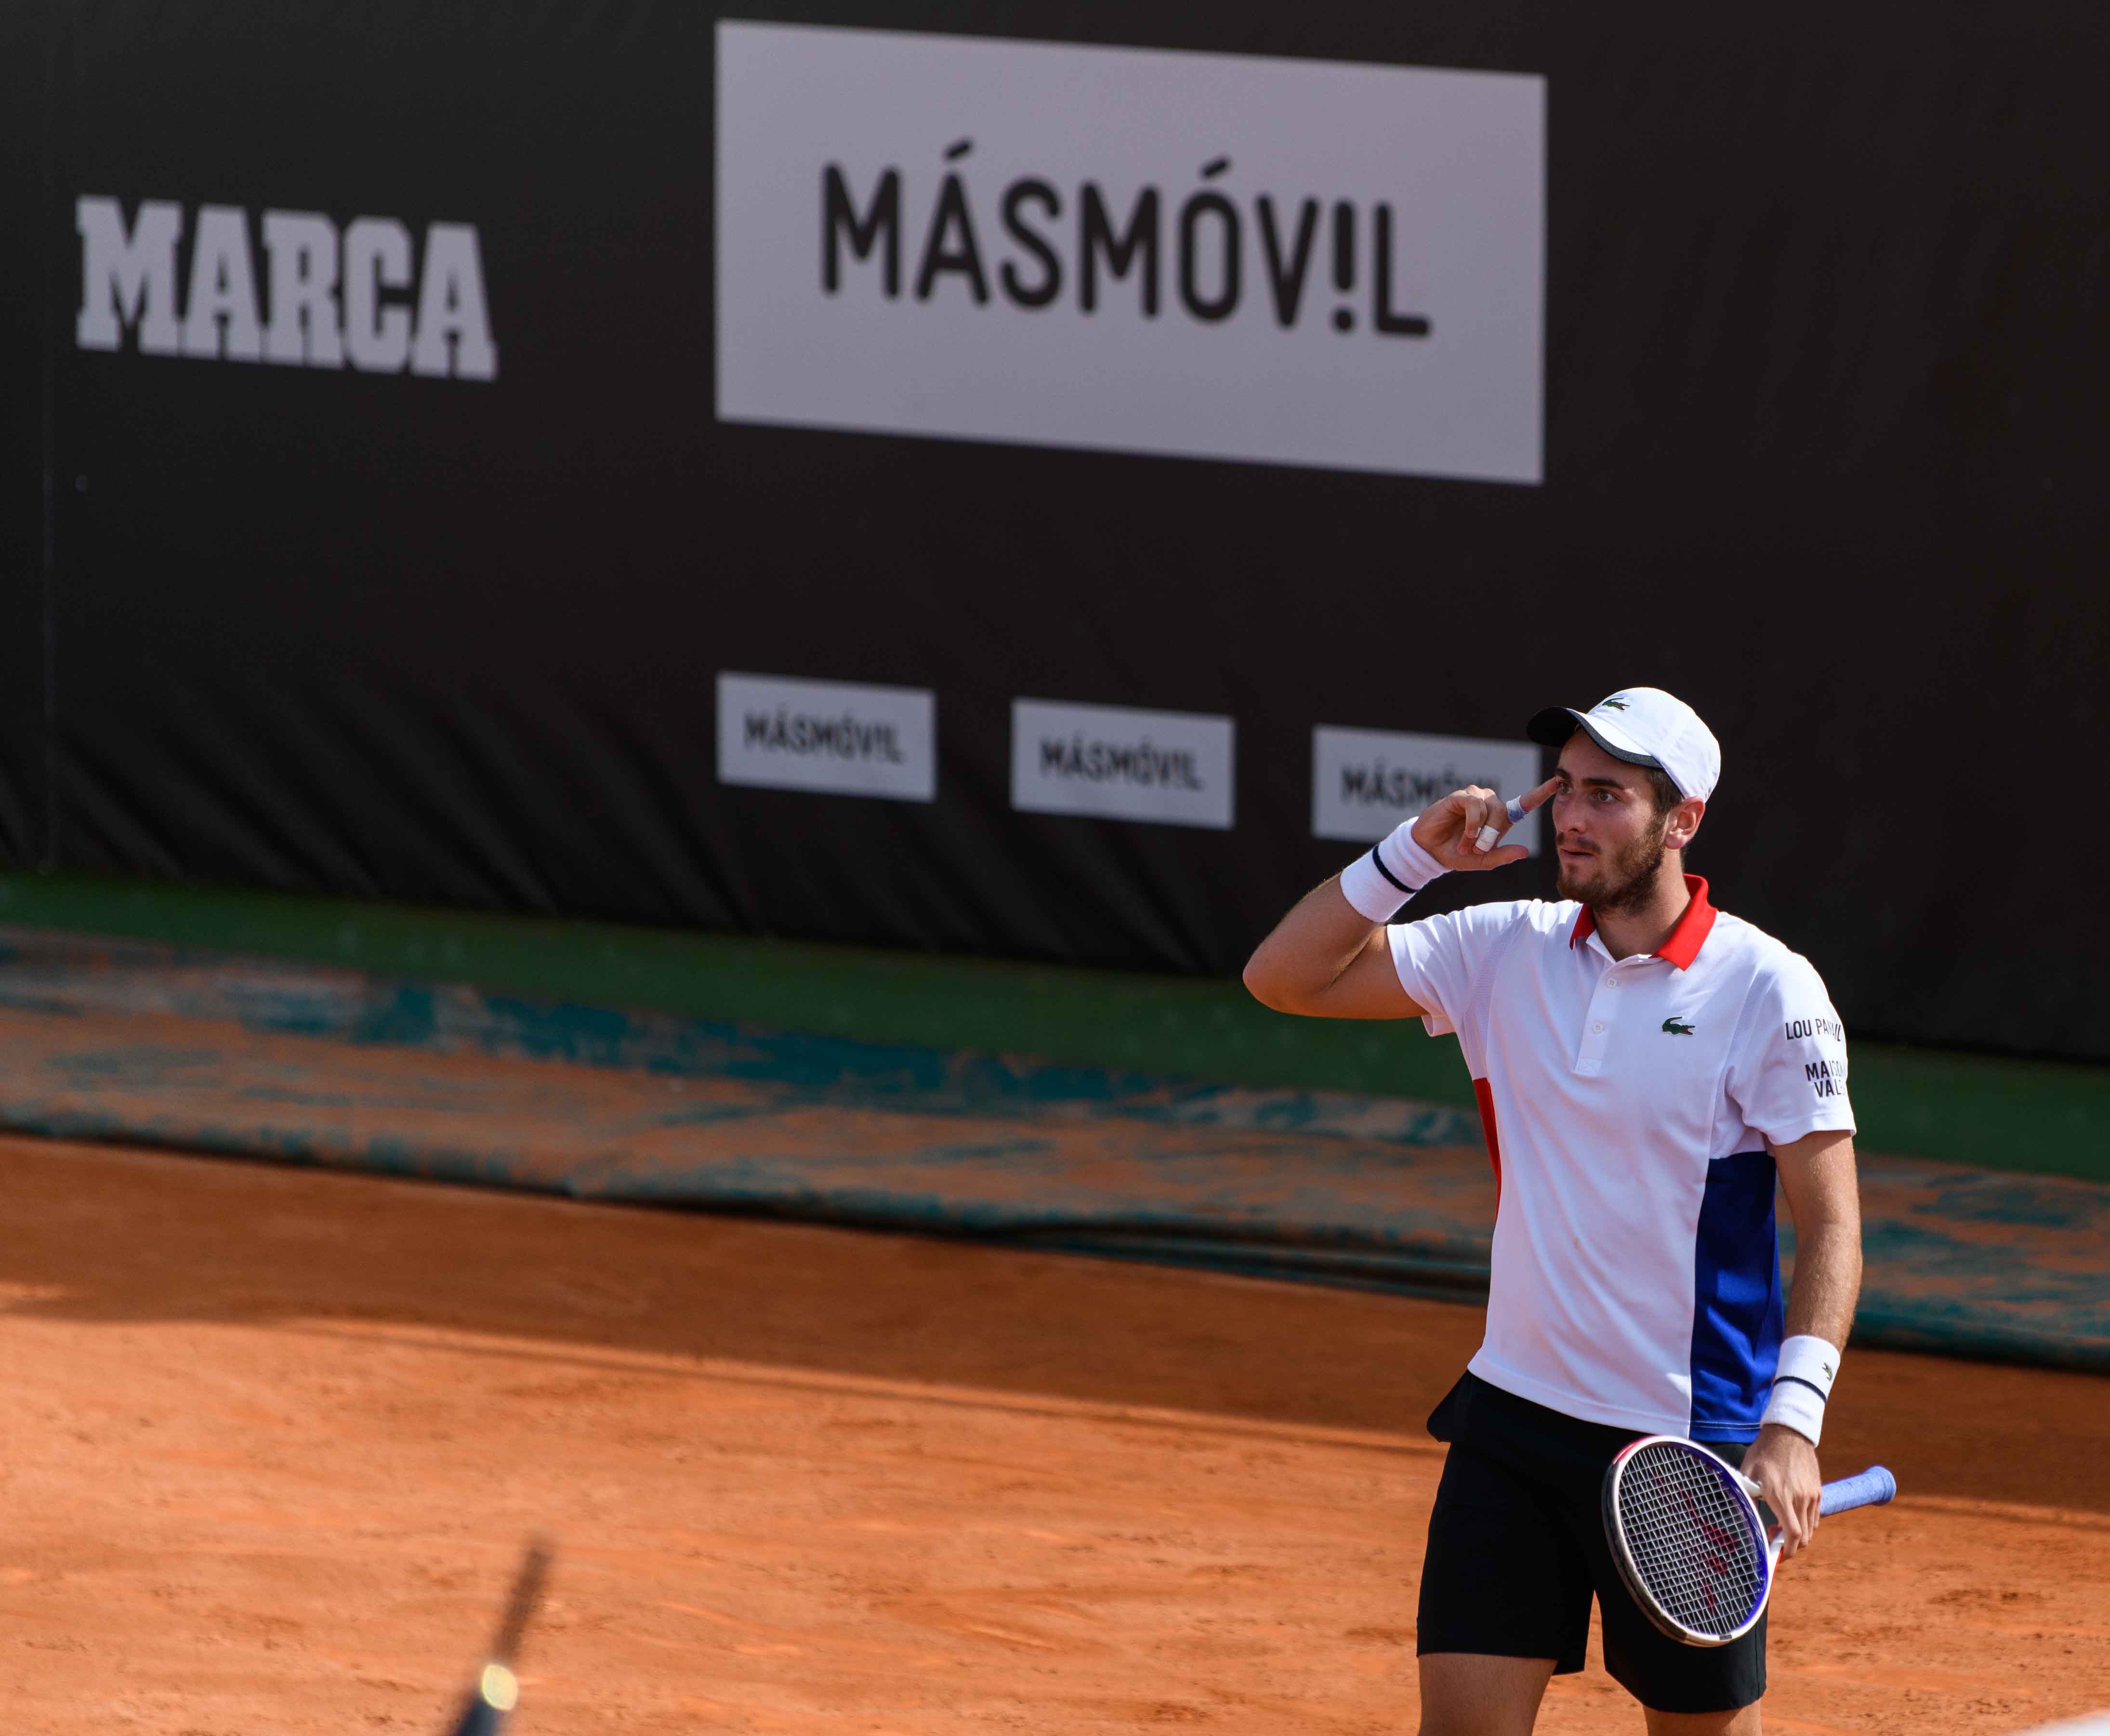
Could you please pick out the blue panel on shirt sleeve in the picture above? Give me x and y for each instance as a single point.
(1736, 1298)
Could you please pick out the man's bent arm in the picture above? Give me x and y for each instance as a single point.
(1824, 1199)
(1327, 960)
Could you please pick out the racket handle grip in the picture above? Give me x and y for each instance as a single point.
(1872, 1488)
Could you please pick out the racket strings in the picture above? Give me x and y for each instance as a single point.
(1689, 1539)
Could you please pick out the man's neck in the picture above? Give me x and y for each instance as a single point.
(1645, 926)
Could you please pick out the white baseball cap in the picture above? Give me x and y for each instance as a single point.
(1644, 726)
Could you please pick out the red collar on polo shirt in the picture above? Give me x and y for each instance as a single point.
(1685, 941)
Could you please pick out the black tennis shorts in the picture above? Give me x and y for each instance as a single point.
(1517, 1549)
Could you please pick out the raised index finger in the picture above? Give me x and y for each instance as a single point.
(1531, 798)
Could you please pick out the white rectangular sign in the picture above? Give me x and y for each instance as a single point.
(1213, 255)
(1364, 782)
(1173, 768)
(775, 732)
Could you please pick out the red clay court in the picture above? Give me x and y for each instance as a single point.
(276, 1436)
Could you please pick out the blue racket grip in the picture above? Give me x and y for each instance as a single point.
(1872, 1488)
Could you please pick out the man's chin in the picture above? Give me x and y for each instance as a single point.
(1580, 885)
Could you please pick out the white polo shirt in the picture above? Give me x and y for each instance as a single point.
(1628, 1105)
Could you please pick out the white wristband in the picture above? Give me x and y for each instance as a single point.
(1802, 1384)
(1378, 883)
(1794, 1406)
(1812, 1360)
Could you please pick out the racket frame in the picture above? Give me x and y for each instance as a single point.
(1741, 1487)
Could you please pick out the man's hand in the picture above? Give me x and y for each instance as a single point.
(1784, 1465)
(1450, 830)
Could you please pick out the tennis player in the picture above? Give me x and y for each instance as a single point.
(1646, 1066)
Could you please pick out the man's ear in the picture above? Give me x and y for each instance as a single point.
(1684, 822)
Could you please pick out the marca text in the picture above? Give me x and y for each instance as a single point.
(364, 296)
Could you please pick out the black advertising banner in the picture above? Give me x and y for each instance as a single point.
(1053, 479)
(25, 191)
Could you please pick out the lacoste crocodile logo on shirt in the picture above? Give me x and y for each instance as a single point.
(1673, 1028)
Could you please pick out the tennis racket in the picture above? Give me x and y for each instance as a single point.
(1686, 1532)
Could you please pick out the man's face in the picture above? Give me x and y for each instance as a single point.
(1608, 838)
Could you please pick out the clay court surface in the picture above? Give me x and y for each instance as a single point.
(273, 1437)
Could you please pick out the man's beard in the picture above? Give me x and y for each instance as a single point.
(1622, 883)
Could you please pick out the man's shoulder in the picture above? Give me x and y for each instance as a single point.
(1534, 915)
(1749, 954)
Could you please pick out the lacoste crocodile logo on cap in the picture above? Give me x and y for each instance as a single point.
(1613, 704)
(1673, 1028)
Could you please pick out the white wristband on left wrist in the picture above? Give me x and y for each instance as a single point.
(1794, 1406)
(1802, 1383)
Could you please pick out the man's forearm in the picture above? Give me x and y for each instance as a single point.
(1828, 1280)
(1823, 1200)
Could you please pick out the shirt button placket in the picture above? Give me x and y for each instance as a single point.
(1591, 1054)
